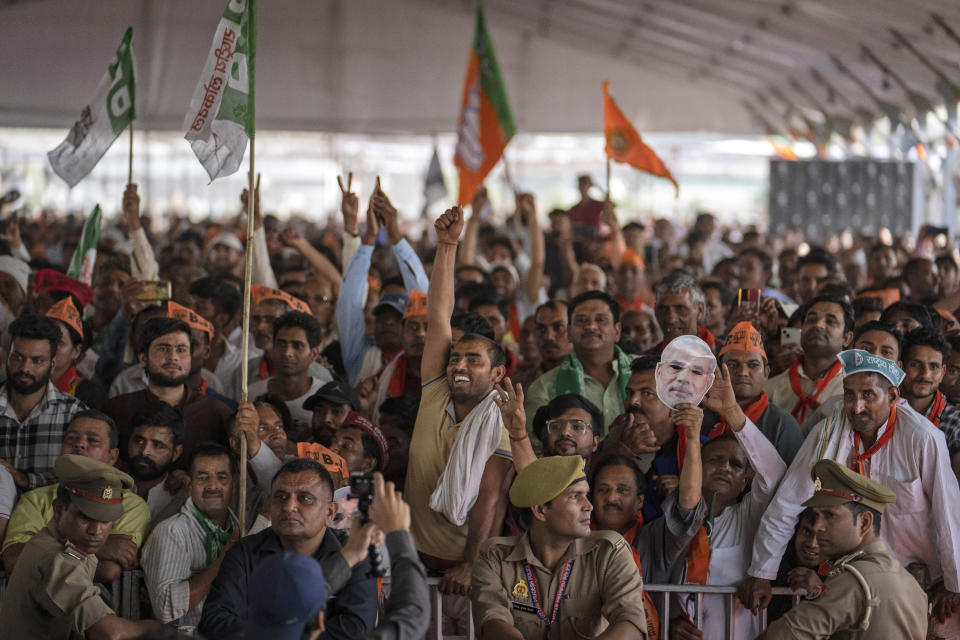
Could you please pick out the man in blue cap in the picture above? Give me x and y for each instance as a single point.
(890, 443)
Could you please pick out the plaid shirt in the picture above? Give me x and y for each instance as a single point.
(950, 425)
(33, 445)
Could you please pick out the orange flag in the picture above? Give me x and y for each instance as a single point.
(624, 144)
(486, 122)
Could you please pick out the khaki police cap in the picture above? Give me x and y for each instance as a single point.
(835, 484)
(543, 480)
(94, 486)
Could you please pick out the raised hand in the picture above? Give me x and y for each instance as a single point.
(373, 225)
(721, 399)
(349, 205)
(386, 214)
(510, 401)
(479, 201)
(244, 197)
(131, 209)
(527, 207)
(449, 225)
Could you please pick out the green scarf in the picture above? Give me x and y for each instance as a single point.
(215, 536)
(570, 376)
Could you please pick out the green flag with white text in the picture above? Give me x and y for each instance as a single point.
(109, 112)
(85, 255)
(220, 119)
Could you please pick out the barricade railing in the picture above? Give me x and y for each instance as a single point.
(124, 597)
(663, 590)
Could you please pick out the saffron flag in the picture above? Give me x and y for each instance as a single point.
(486, 123)
(85, 255)
(220, 119)
(108, 113)
(624, 144)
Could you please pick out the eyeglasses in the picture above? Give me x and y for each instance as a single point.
(579, 427)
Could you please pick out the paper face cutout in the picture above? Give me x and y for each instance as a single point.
(685, 372)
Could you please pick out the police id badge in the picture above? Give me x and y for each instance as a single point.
(522, 593)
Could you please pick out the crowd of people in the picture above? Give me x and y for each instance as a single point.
(522, 404)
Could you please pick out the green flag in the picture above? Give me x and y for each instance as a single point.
(220, 119)
(111, 110)
(85, 255)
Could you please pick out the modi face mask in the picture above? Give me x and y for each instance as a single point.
(685, 372)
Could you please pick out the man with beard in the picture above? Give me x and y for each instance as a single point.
(680, 309)
(401, 376)
(894, 445)
(496, 311)
(296, 344)
(746, 360)
(329, 407)
(300, 506)
(814, 377)
(596, 368)
(184, 553)
(32, 410)
(164, 353)
(553, 341)
(720, 552)
(924, 354)
(94, 435)
(921, 281)
(460, 464)
(156, 443)
(569, 425)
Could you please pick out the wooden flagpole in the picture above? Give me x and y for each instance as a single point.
(252, 195)
(130, 159)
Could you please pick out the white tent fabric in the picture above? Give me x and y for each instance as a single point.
(396, 66)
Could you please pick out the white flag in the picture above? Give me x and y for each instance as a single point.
(220, 119)
(102, 120)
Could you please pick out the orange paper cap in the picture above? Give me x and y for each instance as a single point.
(191, 317)
(416, 304)
(629, 256)
(745, 338)
(334, 463)
(67, 313)
(261, 292)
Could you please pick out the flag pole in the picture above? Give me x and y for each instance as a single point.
(506, 172)
(130, 158)
(608, 177)
(245, 337)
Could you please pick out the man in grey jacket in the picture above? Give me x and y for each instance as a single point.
(288, 592)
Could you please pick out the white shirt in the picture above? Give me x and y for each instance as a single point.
(922, 526)
(732, 537)
(301, 417)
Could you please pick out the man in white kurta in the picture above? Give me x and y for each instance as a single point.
(901, 450)
(727, 460)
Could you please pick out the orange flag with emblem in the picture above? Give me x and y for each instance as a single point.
(624, 144)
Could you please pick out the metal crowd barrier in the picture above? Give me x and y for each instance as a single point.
(665, 590)
(124, 596)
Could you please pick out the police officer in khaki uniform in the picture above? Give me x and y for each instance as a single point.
(51, 593)
(867, 593)
(559, 580)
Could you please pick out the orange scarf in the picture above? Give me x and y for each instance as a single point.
(754, 411)
(399, 377)
(69, 381)
(265, 370)
(653, 618)
(858, 458)
(939, 404)
(809, 402)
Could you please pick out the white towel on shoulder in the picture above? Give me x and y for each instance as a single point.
(476, 441)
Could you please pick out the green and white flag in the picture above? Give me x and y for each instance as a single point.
(109, 112)
(85, 255)
(221, 115)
